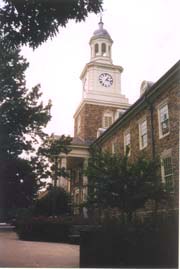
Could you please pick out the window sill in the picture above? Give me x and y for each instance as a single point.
(141, 148)
(162, 136)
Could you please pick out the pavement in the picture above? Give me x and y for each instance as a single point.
(19, 253)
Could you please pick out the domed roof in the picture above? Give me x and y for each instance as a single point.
(101, 32)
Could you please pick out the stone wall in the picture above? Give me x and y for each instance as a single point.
(91, 117)
(168, 143)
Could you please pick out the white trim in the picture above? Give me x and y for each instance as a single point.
(144, 119)
(101, 65)
(115, 147)
(163, 176)
(126, 132)
(107, 114)
(159, 107)
(99, 103)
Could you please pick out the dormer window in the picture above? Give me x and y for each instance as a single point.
(103, 47)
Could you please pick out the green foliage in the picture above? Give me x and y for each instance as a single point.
(33, 22)
(43, 229)
(44, 206)
(115, 182)
(50, 150)
(22, 114)
(22, 120)
(54, 145)
(152, 244)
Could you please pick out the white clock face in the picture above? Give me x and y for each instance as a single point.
(106, 79)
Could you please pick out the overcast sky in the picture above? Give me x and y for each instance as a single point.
(146, 44)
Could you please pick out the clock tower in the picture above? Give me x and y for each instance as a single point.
(102, 100)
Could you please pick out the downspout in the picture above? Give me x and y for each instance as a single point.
(151, 109)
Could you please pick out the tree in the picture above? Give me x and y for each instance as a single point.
(22, 114)
(51, 149)
(115, 182)
(32, 22)
(44, 207)
(22, 120)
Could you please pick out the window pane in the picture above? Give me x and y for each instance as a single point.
(164, 120)
(143, 128)
(143, 134)
(163, 113)
(127, 139)
(169, 182)
(144, 140)
(167, 166)
(107, 121)
(168, 173)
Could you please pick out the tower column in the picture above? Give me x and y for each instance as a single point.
(63, 182)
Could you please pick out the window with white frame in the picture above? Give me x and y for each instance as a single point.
(127, 141)
(107, 119)
(143, 133)
(167, 172)
(163, 120)
(115, 148)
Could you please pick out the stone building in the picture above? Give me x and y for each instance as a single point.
(150, 127)
(104, 117)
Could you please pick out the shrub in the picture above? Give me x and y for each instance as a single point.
(153, 243)
(55, 202)
(43, 229)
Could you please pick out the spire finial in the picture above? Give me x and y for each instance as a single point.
(101, 22)
(101, 17)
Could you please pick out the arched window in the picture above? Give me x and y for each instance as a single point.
(103, 49)
(96, 49)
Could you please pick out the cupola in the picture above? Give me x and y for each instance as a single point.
(100, 44)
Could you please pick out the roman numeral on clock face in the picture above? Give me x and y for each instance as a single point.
(105, 79)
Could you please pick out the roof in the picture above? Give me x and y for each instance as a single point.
(101, 32)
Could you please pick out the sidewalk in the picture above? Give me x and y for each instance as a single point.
(17, 253)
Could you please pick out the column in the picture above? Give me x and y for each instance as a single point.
(62, 182)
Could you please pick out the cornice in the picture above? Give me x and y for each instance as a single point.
(101, 65)
(100, 37)
(100, 103)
